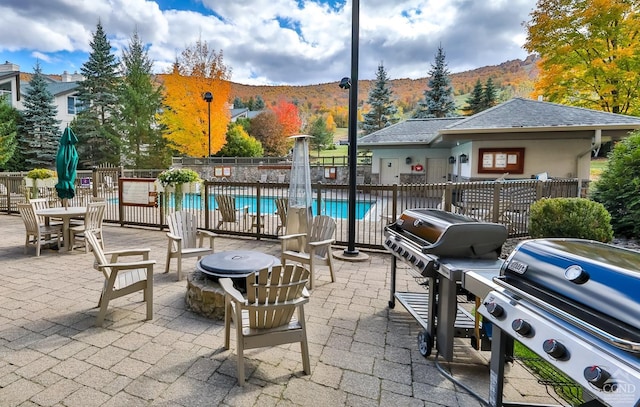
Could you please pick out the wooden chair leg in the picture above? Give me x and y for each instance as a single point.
(240, 353)
(148, 294)
(227, 322)
(166, 267)
(330, 262)
(304, 346)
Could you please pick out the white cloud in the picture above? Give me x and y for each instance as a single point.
(404, 34)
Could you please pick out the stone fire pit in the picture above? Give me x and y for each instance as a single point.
(204, 295)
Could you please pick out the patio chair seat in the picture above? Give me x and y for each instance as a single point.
(316, 246)
(271, 314)
(185, 239)
(122, 278)
(37, 234)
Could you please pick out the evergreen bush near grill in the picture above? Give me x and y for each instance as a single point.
(618, 186)
(570, 217)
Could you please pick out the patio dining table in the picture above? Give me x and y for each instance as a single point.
(66, 214)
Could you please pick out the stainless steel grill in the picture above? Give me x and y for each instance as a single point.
(575, 304)
(439, 246)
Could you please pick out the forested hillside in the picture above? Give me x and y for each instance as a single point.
(513, 78)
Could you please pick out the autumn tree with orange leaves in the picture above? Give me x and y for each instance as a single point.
(590, 53)
(288, 116)
(196, 71)
(267, 129)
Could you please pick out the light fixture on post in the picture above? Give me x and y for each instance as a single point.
(208, 97)
(351, 83)
(464, 159)
(452, 160)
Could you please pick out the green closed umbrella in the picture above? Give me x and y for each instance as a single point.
(66, 164)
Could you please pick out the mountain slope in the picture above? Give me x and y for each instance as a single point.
(515, 78)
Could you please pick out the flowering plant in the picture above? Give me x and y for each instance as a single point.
(175, 176)
(41, 173)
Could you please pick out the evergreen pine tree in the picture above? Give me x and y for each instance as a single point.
(438, 98)
(321, 135)
(489, 96)
(39, 130)
(8, 133)
(140, 101)
(95, 126)
(237, 103)
(259, 105)
(476, 100)
(383, 110)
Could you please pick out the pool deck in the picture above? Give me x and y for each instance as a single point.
(362, 352)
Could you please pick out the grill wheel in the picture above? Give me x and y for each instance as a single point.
(425, 343)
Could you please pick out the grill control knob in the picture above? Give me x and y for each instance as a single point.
(495, 309)
(555, 349)
(596, 376)
(522, 327)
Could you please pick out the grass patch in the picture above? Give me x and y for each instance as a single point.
(548, 375)
(596, 168)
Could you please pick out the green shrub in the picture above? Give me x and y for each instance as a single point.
(41, 173)
(570, 217)
(618, 188)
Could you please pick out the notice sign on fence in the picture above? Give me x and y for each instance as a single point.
(138, 192)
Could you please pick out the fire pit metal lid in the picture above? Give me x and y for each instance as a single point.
(235, 263)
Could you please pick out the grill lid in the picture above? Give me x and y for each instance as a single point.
(448, 234)
(600, 281)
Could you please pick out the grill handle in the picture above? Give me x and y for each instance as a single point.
(613, 340)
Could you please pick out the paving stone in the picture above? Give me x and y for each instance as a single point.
(362, 353)
(18, 392)
(86, 397)
(56, 392)
(360, 384)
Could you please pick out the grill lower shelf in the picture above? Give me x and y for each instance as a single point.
(417, 304)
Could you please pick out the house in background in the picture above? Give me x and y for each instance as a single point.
(243, 112)
(515, 139)
(16, 85)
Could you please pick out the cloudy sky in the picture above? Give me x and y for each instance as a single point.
(295, 42)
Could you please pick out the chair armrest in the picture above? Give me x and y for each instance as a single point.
(322, 243)
(174, 237)
(206, 232)
(127, 265)
(115, 254)
(245, 209)
(227, 286)
(292, 236)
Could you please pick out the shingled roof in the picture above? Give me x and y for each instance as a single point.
(417, 131)
(533, 114)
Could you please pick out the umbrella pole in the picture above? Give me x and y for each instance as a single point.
(65, 203)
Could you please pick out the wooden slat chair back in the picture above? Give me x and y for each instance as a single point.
(271, 314)
(228, 212)
(93, 221)
(37, 234)
(281, 211)
(39, 203)
(185, 239)
(122, 278)
(317, 246)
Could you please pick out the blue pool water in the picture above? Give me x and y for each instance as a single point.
(333, 208)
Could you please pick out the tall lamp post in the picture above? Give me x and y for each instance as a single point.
(351, 253)
(208, 97)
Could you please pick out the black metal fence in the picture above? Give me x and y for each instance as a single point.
(505, 202)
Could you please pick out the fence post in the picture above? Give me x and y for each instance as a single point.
(207, 220)
(495, 215)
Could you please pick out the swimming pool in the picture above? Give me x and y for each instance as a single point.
(336, 208)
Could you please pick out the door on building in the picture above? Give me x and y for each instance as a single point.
(437, 170)
(389, 171)
(437, 173)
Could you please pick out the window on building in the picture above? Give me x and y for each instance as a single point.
(74, 105)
